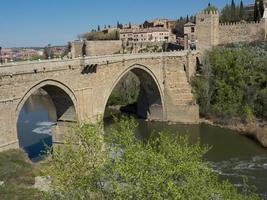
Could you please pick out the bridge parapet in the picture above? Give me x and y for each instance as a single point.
(59, 64)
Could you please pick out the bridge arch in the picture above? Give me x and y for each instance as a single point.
(52, 87)
(33, 130)
(151, 97)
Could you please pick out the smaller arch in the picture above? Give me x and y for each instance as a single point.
(36, 131)
(45, 85)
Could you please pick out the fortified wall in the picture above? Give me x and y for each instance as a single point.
(95, 48)
(210, 32)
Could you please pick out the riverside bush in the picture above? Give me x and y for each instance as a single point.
(117, 165)
(233, 82)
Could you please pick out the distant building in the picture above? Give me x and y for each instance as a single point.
(146, 35)
(190, 35)
(163, 23)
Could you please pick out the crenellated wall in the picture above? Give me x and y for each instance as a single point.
(240, 32)
(210, 32)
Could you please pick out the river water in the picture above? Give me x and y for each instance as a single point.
(231, 156)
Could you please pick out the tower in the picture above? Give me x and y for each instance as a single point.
(207, 30)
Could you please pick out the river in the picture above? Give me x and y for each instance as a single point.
(231, 156)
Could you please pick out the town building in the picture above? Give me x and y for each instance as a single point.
(190, 35)
(146, 35)
(163, 23)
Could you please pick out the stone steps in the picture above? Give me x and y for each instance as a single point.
(179, 87)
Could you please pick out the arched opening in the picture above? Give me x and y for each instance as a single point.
(138, 93)
(41, 108)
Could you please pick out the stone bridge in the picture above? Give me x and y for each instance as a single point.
(85, 84)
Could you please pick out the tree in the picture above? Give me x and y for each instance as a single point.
(261, 8)
(98, 28)
(210, 8)
(233, 11)
(256, 12)
(84, 49)
(232, 83)
(48, 52)
(241, 11)
(130, 25)
(187, 19)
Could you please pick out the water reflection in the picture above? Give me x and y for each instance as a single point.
(232, 155)
(34, 125)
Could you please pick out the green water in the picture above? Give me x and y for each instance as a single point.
(232, 156)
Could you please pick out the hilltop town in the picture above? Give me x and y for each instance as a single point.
(234, 23)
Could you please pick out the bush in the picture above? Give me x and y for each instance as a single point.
(113, 35)
(119, 166)
(233, 82)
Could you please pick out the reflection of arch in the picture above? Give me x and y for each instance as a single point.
(61, 95)
(149, 83)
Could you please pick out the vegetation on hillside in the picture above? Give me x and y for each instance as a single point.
(116, 165)
(126, 91)
(101, 35)
(17, 173)
(233, 82)
(235, 13)
(210, 8)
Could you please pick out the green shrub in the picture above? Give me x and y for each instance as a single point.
(116, 165)
(233, 82)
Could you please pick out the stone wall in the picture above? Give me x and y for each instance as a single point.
(96, 48)
(211, 33)
(207, 30)
(240, 32)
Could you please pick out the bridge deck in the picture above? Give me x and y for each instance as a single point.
(61, 64)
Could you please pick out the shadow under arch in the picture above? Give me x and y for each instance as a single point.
(150, 103)
(54, 102)
(61, 95)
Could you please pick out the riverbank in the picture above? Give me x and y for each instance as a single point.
(17, 176)
(256, 130)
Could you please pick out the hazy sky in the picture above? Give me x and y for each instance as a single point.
(42, 22)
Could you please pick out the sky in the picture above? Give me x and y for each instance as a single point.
(36, 23)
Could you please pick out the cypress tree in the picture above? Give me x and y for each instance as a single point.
(256, 11)
(98, 28)
(261, 8)
(241, 11)
(233, 11)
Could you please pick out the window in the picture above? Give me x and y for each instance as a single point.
(192, 29)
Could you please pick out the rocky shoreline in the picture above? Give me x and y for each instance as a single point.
(255, 130)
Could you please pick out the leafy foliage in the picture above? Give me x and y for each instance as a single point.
(233, 82)
(210, 8)
(116, 165)
(126, 91)
(17, 173)
(101, 35)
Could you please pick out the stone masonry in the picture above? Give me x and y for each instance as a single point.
(209, 31)
(88, 82)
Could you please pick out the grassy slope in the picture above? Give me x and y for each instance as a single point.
(18, 174)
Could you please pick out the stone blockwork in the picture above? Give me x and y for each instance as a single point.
(240, 32)
(95, 48)
(162, 75)
(210, 32)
